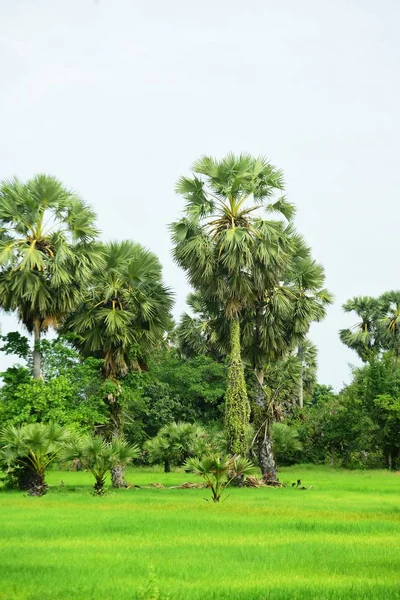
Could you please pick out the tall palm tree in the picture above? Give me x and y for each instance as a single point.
(364, 336)
(218, 240)
(124, 315)
(306, 279)
(47, 253)
(307, 356)
(287, 298)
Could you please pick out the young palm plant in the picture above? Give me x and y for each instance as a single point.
(219, 471)
(29, 450)
(176, 442)
(99, 456)
(47, 253)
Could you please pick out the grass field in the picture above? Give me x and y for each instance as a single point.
(339, 540)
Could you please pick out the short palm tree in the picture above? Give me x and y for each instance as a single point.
(30, 450)
(219, 471)
(123, 316)
(176, 442)
(47, 253)
(98, 456)
(217, 241)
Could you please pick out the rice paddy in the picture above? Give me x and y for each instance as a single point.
(338, 540)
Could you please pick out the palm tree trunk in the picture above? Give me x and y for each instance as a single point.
(389, 461)
(237, 407)
(38, 486)
(117, 472)
(118, 477)
(265, 453)
(36, 354)
(266, 456)
(332, 458)
(301, 387)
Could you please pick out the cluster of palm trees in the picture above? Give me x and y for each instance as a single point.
(256, 287)
(54, 272)
(26, 453)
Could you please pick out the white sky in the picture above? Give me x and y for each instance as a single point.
(117, 98)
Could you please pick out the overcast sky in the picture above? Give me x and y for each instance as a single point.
(117, 99)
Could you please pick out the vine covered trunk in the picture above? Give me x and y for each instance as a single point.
(301, 385)
(237, 407)
(263, 421)
(36, 355)
(116, 431)
(266, 456)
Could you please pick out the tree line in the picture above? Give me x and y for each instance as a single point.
(237, 362)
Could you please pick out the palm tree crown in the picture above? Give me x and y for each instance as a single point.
(126, 310)
(47, 251)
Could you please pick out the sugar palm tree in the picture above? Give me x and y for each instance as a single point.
(310, 299)
(364, 336)
(307, 354)
(47, 253)
(31, 449)
(218, 239)
(98, 456)
(176, 442)
(124, 315)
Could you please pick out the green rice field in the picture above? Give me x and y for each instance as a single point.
(338, 540)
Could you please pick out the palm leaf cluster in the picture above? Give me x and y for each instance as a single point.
(378, 327)
(222, 234)
(46, 249)
(175, 442)
(29, 450)
(219, 471)
(127, 307)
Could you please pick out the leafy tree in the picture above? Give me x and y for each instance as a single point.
(122, 319)
(219, 471)
(218, 241)
(70, 395)
(29, 450)
(376, 387)
(47, 253)
(98, 456)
